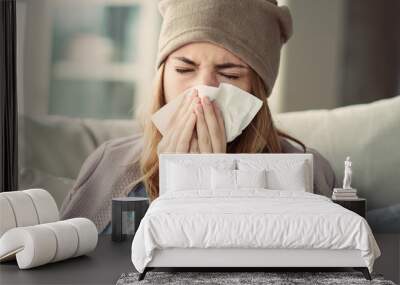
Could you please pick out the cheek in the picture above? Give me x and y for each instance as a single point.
(173, 85)
(243, 84)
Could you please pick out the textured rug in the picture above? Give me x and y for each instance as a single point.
(225, 278)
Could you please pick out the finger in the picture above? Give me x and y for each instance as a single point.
(181, 110)
(184, 130)
(164, 144)
(220, 119)
(193, 144)
(186, 134)
(181, 121)
(203, 135)
(212, 124)
(221, 124)
(191, 148)
(168, 142)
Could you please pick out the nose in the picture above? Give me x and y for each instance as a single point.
(208, 78)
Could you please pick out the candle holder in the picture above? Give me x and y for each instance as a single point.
(127, 212)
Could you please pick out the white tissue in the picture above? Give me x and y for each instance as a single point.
(238, 107)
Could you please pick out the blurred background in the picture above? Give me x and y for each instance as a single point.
(86, 59)
(95, 58)
(85, 67)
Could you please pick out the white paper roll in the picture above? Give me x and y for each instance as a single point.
(7, 218)
(24, 209)
(45, 205)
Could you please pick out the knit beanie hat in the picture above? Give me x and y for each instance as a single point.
(253, 30)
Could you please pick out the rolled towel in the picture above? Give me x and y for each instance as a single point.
(32, 246)
(44, 243)
(67, 238)
(26, 208)
(7, 220)
(45, 205)
(23, 209)
(87, 235)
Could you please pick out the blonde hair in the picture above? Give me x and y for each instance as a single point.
(260, 136)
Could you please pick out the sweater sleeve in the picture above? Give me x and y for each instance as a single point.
(86, 172)
(105, 174)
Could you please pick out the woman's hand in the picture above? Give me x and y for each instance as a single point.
(194, 144)
(210, 128)
(180, 127)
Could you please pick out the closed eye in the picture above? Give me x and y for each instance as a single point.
(183, 70)
(180, 70)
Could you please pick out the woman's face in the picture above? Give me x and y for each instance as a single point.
(203, 63)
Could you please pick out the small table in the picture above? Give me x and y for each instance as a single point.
(357, 205)
(104, 265)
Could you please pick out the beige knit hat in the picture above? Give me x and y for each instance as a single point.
(253, 30)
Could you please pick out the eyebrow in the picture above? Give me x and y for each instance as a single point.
(219, 66)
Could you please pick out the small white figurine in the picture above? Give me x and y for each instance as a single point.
(347, 173)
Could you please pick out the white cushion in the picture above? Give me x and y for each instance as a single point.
(251, 178)
(370, 135)
(189, 175)
(293, 178)
(223, 179)
(281, 174)
(183, 178)
(235, 179)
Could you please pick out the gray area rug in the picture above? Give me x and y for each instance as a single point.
(225, 278)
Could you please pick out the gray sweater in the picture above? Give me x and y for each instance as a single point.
(108, 171)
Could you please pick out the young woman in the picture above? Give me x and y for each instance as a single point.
(201, 42)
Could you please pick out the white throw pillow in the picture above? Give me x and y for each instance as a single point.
(236, 179)
(281, 174)
(289, 179)
(251, 178)
(223, 179)
(185, 175)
